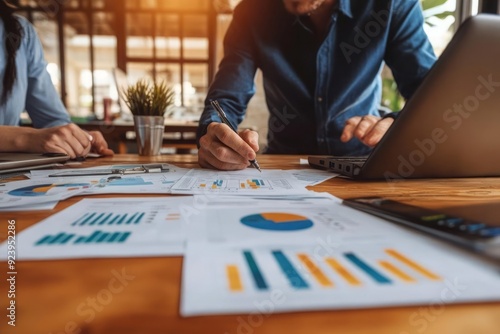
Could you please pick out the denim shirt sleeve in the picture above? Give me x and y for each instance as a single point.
(233, 85)
(43, 104)
(409, 53)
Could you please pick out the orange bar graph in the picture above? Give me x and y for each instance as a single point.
(315, 270)
(233, 277)
(397, 272)
(413, 265)
(342, 271)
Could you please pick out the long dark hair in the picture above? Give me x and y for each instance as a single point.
(13, 37)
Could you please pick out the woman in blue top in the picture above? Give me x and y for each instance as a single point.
(25, 85)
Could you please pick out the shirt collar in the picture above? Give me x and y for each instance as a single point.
(345, 8)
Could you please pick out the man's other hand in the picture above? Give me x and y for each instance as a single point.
(368, 129)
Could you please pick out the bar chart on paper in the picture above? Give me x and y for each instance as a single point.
(301, 270)
(234, 184)
(109, 228)
(110, 218)
(311, 278)
(96, 237)
(238, 182)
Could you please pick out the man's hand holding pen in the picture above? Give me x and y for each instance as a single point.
(222, 148)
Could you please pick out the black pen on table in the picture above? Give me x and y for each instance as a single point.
(224, 120)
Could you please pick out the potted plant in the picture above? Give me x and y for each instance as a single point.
(148, 102)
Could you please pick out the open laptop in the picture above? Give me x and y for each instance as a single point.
(451, 125)
(16, 162)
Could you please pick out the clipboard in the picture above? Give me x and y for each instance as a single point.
(143, 169)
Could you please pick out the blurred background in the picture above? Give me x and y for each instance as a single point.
(96, 46)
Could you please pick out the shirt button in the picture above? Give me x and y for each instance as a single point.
(320, 99)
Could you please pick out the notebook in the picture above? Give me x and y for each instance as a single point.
(16, 162)
(451, 125)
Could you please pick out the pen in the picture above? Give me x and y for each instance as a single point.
(224, 119)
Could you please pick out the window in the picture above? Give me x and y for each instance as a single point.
(84, 40)
(442, 18)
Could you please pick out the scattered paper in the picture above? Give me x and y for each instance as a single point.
(280, 258)
(312, 177)
(22, 194)
(30, 207)
(120, 227)
(244, 182)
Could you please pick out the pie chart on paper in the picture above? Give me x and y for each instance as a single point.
(275, 221)
(45, 189)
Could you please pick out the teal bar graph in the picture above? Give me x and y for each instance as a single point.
(105, 219)
(369, 270)
(258, 278)
(96, 219)
(123, 237)
(114, 237)
(121, 220)
(112, 221)
(102, 237)
(131, 219)
(138, 220)
(109, 218)
(58, 239)
(289, 270)
(84, 219)
(95, 238)
(44, 240)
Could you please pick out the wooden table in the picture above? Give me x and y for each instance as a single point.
(62, 296)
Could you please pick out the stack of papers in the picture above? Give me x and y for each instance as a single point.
(45, 188)
(267, 254)
(275, 247)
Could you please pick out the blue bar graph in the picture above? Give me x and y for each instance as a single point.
(260, 282)
(44, 240)
(103, 218)
(121, 220)
(96, 237)
(287, 267)
(123, 237)
(84, 219)
(112, 221)
(93, 237)
(378, 277)
(59, 239)
(102, 237)
(66, 239)
(96, 219)
(114, 237)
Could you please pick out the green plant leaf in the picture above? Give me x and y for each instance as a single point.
(148, 99)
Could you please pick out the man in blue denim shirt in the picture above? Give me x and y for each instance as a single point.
(321, 61)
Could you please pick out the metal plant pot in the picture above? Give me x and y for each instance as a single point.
(149, 134)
